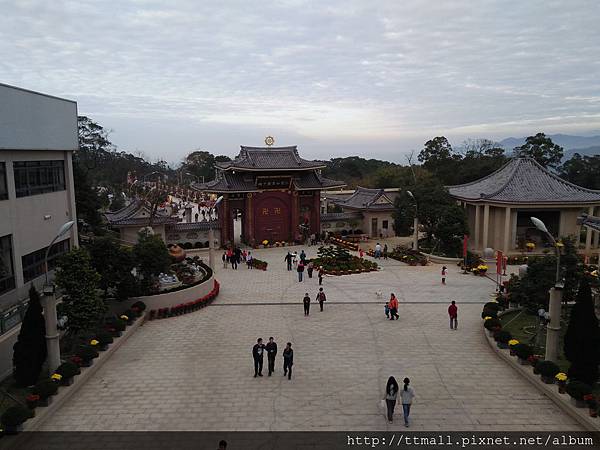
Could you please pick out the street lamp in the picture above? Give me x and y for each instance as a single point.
(52, 336)
(553, 328)
(415, 223)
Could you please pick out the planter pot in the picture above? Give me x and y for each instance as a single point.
(67, 381)
(104, 347)
(548, 380)
(502, 345)
(116, 333)
(523, 362)
(562, 387)
(593, 412)
(43, 402)
(87, 363)
(13, 429)
(33, 405)
(578, 403)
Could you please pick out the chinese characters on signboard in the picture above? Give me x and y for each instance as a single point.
(271, 211)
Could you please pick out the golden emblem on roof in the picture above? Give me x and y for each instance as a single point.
(269, 140)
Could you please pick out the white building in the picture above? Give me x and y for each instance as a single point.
(38, 134)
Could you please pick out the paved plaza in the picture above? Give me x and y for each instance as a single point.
(195, 372)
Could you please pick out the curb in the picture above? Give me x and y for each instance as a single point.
(549, 390)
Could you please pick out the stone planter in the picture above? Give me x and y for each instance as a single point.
(548, 380)
(502, 345)
(578, 403)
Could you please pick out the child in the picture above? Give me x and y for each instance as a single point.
(361, 253)
(444, 274)
(387, 309)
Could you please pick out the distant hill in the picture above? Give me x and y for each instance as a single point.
(584, 145)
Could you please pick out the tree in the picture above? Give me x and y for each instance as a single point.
(118, 202)
(582, 338)
(114, 263)
(199, 163)
(152, 257)
(30, 349)
(542, 149)
(87, 201)
(582, 170)
(439, 158)
(79, 281)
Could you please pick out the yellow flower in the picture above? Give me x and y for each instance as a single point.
(94, 342)
(561, 376)
(56, 376)
(530, 245)
(560, 244)
(513, 342)
(124, 317)
(486, 318)
(594, 273)
(265, 242)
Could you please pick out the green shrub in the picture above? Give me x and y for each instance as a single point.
(117, 324)
(15, 416)
(502, 336)
(492, 305)
(547, 368)
(492, 324)
(45, 388)
(578, 389)
(87, 352)
(522, 351)
(68, 369)
(489, 313)
(103, 337)
(139, 305)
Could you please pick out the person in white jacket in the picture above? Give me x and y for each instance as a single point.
(407, 394)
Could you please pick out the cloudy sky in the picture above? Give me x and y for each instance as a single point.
(337, 78)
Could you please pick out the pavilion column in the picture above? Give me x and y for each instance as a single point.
(507, 230)
(225, 221)
(486, 225)
(295, 215)
(316, 226)
(588, 234)
(249, 219)
(477, 226)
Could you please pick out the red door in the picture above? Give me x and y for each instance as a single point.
(272, 219)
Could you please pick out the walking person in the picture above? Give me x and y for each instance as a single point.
(385, 251)
(453, 313)
(288, 360)
(249, 260)
(300, 270)
(386, 309)
(233, 258)
(288, 260)
(309, 269)
(407, 394)
(321, 298)
(224, 258)
(303, 257)
(361, 253)
(257, 355)
(378, 251)
(271, 349)
(391, 394)
(306, 303)
(320, 276)
(444, 274)
(393, 307)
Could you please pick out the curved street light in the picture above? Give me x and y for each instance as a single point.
(415, 223)
(61, 232)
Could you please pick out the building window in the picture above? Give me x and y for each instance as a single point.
(3, 188)
(38, 177)
(384, 224)
(33, 263)
(7, 276)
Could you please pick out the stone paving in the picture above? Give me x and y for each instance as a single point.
(195, 372)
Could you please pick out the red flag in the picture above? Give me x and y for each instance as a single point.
(465, 242)
(499, 262)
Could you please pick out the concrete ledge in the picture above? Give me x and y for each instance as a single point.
(581, 415)
(66, 392)
(441, 259)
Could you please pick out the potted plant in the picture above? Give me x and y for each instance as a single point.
(32, 401)
(104, 338)
(491, 324)
(578, 390)
(67, 370)
(45, 389)
(87, 353)
(548, 371)
(502, 337)
(139, 307)
(128, 316)
(13, 418)
(591, 403)
(523, 352)
(511, 346)
(493, 313)
(561, 379)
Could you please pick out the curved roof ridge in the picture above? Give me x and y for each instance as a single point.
(518, 163)
(562, 180)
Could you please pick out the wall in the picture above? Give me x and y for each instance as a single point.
(381, 216)
(7, 340)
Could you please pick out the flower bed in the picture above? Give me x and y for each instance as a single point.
(259, 264)
(338, 261)
(184, 308)
(344, 244)
(405, 255)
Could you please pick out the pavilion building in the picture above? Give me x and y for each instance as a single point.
(500, 205)
(274, 192)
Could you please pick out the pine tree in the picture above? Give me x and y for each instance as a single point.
(582, 339)
(30, 349)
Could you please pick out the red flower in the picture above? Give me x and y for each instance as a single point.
(32, 398)
(588, 397)
(76, 360)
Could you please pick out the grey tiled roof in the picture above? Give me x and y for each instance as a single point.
(125, 215)
(365, 199)
(195, 226)
(313, 180)
(269, 158)
(592, 222)
(332, 217)
(144, 221)
(523, 180)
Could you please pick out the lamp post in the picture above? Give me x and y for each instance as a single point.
(52, 336)
(211, 239)
(415, 223)
(553, 328)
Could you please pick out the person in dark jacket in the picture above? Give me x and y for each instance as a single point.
(271, 349)
(320, 276)
(288, 260)
(453, 313)
(257, 354)
(391, 394)
(300, 270)
(321, 298)
(288, 360)
(306, 302)
(303, 257)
